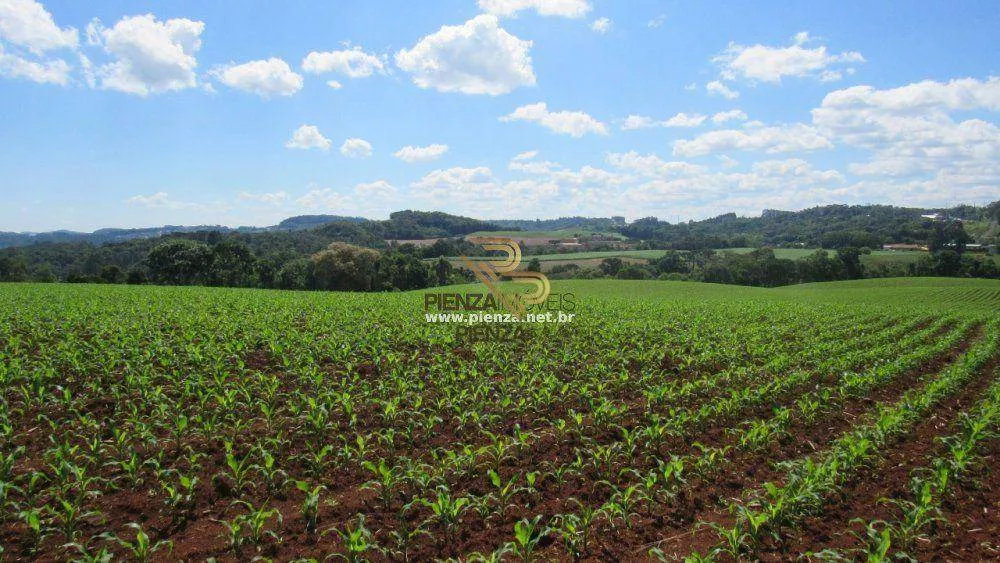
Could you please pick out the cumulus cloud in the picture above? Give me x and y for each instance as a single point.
(149, 56)
(413, 154)
(26, 23)
(717, 88)
(510, 8)
(325, 198)
(356, 148)
(657, 21)
(308, 137)
(28, 31)
(913, 136)
(731, 115)
(334, 84)
(477, 57)
(652, 165)
(633, 122)
(685, 120)
(785, 138)
(573, 123)
(524, 162)
(601, 25)
(353, 63)
(378, 189)
(265, 78)
(770, 64)
(55, 71)
(456, 179)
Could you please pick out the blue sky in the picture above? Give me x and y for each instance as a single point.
(130, 114)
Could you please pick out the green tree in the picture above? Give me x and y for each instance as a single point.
(345, 267)
(12, 268)
(180, 262)
(295, 274)
(949, 235)
(442, 270)
(232, 264)
(611, 266)
(672, 262)
(112, 274)
(850, 257)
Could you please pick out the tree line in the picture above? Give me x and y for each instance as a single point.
(230, 262)
(762, 268)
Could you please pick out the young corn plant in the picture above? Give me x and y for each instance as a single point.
(527, 534)
(447, 512)
(181, 495)
(387, 480)
(357, 540)
(310, 504)
(142, 548)
(275, 479)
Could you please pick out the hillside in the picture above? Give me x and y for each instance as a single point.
(830, 226)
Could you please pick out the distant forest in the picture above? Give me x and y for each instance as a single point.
(334, 252)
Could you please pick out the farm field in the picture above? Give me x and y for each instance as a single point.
(594, 257)
(552, 234)
(670, 420)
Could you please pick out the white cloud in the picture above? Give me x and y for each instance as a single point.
(413, 154)
(356, 148)
(633, 122)
(731, 115)
(26, 23)
(334, 84)
(770, 64)
(326, 199)
(911, 134)
(477, 57)
(150, 56)
(651, 165)
(265, 78)
(377, 189)
(657, 21)
(830, 76)
(353, 63)
(782, 184)
(55, 71)
(685, 120)
(718, 88)
(276, 198)
(308, 137)
(510, 8)
(601, 25)
(786, 138)
(456, 179)
(728, 161)
(959, 94)
(524, 162)
(573, 123)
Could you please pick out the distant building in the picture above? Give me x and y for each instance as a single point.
(901, 246)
